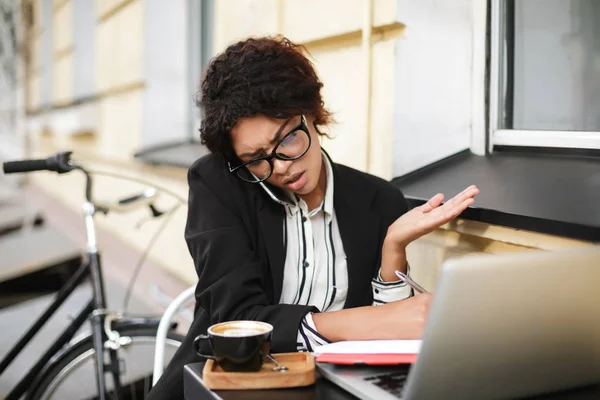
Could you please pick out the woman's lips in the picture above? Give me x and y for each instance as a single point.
(296, 182)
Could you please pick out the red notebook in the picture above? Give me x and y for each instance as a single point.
(369, 359)
(370, 352)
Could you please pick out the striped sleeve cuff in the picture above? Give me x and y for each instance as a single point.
(308, 337)
(385, 292)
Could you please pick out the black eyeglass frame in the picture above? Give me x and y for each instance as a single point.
(303, 126)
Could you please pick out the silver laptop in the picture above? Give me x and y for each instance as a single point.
(500, 326)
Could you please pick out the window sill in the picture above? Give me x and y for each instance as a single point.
(177, 154)
(545, 193)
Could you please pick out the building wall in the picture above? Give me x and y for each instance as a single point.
(12, 90)
(62, 52)
(358, 74)
(11, 85)
(404, 79)
(119, 77)
(104, 125)
(406, 97)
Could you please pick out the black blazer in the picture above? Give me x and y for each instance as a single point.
(234, 233)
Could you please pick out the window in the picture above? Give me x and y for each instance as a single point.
(200, 52)
(84, 24)
(178, 39)
(545, 73)
(438, 84)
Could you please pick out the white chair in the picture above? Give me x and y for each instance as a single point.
(163, 329)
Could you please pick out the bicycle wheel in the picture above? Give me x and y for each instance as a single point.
(74, 376)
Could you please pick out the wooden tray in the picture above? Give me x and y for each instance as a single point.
(301, 372)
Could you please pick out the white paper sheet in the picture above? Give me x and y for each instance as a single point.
(371, 347)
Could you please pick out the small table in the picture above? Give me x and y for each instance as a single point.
(322, 389)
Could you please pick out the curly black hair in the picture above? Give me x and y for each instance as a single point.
(265, 75)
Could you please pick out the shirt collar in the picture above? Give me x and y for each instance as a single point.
(292, 202)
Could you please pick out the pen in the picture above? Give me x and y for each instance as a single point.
(410, 282)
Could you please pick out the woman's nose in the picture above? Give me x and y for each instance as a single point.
(280, 167)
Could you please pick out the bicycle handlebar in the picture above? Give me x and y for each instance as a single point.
(60, 162)
(13, 167)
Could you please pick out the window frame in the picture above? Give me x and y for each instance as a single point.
(200, 51)
(520, 137)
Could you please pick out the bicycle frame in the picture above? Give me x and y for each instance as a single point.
(95, 309)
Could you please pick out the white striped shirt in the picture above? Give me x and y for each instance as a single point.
(315, 271)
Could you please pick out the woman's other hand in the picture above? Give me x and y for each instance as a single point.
(406, 318)
(418, 222)
(402, 319)
(429, 216)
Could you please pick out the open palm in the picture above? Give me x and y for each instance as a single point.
(429, 216)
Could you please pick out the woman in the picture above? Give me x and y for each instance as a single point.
(280, 233)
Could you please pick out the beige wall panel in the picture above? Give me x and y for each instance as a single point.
(339, 66)
(300, 20)
(341, 74)
(34, 91)
(34, 53)
(104, 6)
(238, 19)
(427, 254)
(37, 15)
(62, 80)
(382, 109)
(513, 236)
(308, 20)
(120, 125)
(62, 27)
(130, 43)
(384, 12)
(105, 66)
(119, 44)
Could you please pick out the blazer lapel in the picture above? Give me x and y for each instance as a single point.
(271, 223)
(359, 228)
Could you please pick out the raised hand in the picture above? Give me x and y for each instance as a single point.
(428, 217)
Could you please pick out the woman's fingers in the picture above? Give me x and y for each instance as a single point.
(436, 216)
(437, 200)
(455, 211)
(432, 203)
(448, 212)
(468, 193)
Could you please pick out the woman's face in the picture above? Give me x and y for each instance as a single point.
(257, 136)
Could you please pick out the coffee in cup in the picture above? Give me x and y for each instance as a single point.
(238, 346)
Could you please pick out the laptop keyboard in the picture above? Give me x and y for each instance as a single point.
(391, 382)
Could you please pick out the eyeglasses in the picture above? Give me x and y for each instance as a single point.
(291, 147)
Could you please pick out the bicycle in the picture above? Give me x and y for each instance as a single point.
(117, 345)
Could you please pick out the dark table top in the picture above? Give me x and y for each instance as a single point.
(547, 193)
(322, 389)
